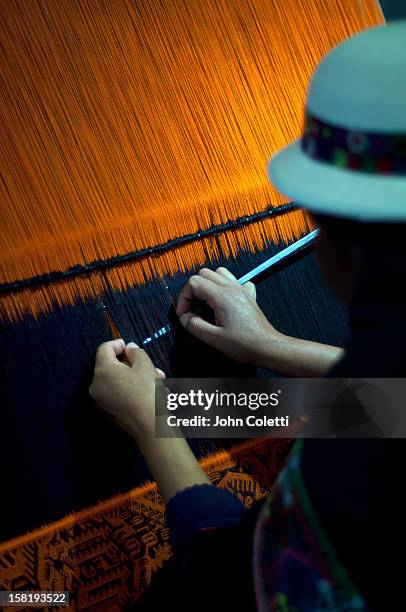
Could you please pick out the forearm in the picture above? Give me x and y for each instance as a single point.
(300, 358)
(172, 464)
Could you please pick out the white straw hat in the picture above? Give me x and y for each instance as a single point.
(351, 159)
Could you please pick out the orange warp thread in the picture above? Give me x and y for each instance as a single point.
(126, 124)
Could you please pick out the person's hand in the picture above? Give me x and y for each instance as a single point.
(125, 389)
(241, 330)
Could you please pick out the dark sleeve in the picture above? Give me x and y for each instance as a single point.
(211, 568)
(201, 507)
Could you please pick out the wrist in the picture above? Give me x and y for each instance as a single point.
(301, 358)
(274, 350)
(142, 434)
(140, 428)
(145, 435)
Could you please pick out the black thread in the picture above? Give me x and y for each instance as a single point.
(102, 264)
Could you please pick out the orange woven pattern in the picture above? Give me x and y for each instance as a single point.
(108, 554)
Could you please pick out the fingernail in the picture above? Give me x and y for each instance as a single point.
(182, 320)
(132, 345)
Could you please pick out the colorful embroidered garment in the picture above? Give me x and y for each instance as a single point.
(295, 566)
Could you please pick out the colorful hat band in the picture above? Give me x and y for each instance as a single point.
(374, 153)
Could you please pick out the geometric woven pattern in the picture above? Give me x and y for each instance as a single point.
(108, 554)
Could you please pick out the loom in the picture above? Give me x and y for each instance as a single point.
(135, 141)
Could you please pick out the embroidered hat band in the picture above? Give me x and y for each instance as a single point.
(374, 153)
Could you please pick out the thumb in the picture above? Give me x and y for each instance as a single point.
(136, 356)
(201, 329)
